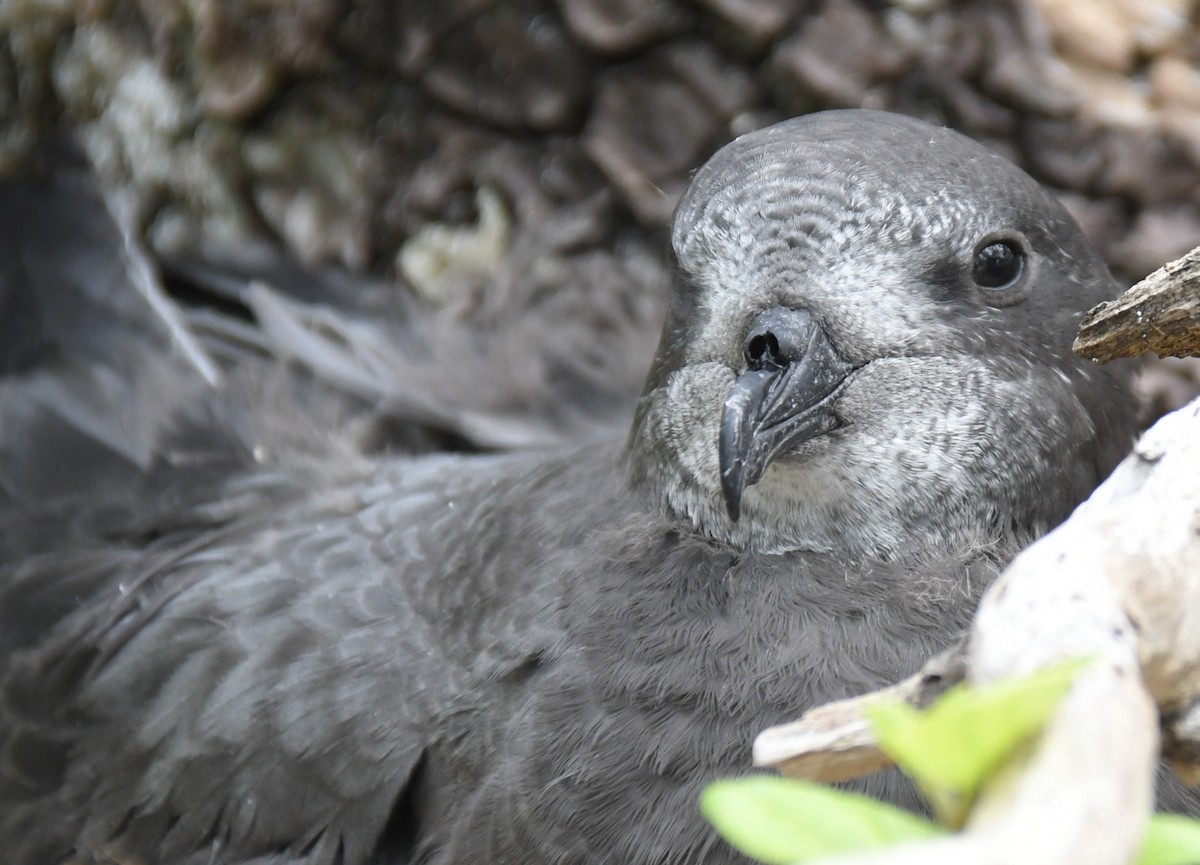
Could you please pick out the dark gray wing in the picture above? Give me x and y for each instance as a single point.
(223, 634)
(108, 371)
(94, 360)
(523, 364)
(267, 683)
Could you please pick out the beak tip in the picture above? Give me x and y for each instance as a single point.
(731, 489)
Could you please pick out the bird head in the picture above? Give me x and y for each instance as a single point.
(868, 347)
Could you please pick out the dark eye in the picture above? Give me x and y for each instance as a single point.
(998, 264)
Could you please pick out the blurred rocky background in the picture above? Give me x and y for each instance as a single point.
(518, 160)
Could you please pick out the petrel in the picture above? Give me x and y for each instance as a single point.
(864, 402)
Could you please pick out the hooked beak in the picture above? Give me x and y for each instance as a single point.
(783, 399)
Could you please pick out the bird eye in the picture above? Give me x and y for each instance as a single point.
(998, 265)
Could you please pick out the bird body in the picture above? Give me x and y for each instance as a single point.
(543, 657)
(533, 686)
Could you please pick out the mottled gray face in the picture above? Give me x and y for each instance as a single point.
(875, 315)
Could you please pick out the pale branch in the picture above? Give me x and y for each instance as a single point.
(1160, 314)
(1181, 742)
(833, 742)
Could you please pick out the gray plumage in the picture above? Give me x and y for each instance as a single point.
(542, 657)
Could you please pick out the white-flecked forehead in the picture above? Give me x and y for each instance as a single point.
(816, 214)
(826, 168)
(841, 225)
(847, 255)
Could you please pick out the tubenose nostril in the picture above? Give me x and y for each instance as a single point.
(762, 350)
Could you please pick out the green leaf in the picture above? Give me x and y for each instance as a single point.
(780, 822)
(1171, 839)
(956, 744)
